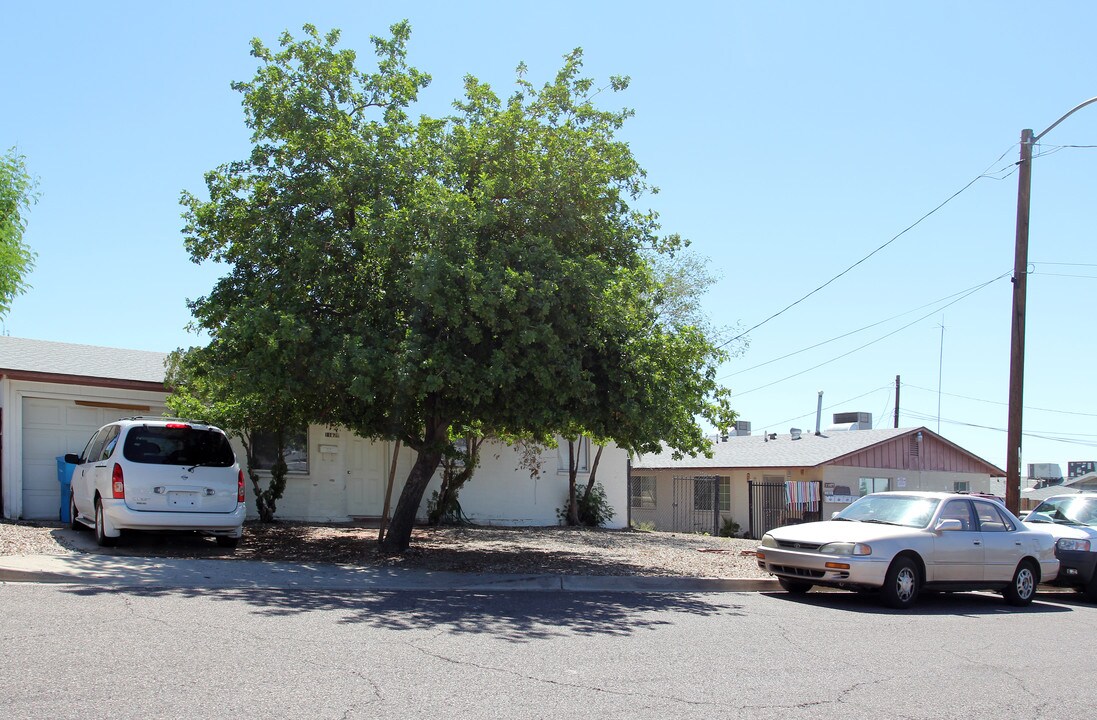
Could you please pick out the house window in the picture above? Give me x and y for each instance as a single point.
(705, 487)
(703, 490)
(643, 491)
(295, 450)
(873, 485)
(582, 455)
(961, 486)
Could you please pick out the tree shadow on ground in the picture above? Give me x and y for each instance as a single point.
(518, 617)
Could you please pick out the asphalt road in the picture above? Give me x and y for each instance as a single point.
(71, 651)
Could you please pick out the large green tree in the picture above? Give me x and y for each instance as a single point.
(241, 404)
(484, 269)
(17, 194)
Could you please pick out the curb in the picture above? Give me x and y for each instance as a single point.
(254, 575)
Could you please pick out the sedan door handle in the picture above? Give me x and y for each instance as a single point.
(976, 542)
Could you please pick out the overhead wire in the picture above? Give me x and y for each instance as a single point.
(872, 342)
(862, 329)
(996, 402)
(828, 407)
(1070, 438)
(895, 237)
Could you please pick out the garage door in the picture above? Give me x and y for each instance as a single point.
(52, 428)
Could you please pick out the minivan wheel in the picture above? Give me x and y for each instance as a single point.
(901, 584)
(100, 537)
(1022, 588)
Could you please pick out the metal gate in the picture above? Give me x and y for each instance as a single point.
(770, 507)
(696, 505)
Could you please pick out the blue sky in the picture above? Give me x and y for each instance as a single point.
(789, 139)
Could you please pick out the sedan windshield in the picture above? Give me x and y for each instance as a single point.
(905, 510)
(1077, 510)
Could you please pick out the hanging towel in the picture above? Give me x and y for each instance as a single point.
(802, 495)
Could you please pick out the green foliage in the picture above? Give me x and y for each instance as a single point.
(239, 404)
(405, 277)
(594, 508)
(17, 194)
(729, 528)
(643, 526)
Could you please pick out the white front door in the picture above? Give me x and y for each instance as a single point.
(367, 473)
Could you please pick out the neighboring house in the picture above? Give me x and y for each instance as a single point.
(53, 396)
(768, 480)
(1034, 492)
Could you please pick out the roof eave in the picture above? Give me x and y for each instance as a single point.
(62, 379)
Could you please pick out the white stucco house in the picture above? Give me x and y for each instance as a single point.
(53, 396)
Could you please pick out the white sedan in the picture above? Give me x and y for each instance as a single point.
(902, 542)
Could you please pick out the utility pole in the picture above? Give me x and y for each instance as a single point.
(1017, 341)
(897, 401)
(1017, 345)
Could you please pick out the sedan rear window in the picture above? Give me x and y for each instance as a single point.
(178, 446)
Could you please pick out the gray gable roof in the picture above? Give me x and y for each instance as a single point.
(87, 361)
(757, 451)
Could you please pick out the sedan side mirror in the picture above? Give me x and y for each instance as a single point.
(72, 459)
(949, 525)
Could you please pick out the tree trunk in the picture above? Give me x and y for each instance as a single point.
(573, 470)
(593, 473)
(398, 537)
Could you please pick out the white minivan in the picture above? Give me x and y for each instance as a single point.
(158, 474)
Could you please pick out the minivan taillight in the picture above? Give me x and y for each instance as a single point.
(240, 487)
(117, 483)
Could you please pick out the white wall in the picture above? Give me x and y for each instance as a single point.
(499, 493)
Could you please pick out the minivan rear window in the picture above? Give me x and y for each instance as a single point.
(178, 446)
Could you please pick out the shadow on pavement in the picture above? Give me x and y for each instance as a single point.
(514, 616)
(928, 604)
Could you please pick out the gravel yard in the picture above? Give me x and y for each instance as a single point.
(550, 550)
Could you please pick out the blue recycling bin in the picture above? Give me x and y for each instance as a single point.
(64, 476)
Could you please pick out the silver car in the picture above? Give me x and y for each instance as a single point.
(900, 543)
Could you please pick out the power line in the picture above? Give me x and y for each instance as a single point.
(998, 402)
(862, 329)
(895, 237)
(1084, 277)
(872, 342)
(828, 407)
(1068, 438)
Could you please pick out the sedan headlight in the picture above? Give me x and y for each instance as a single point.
(768, 541)
(846, 548)
(1072, 544)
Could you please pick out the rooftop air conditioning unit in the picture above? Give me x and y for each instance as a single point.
(742, 428)
(854, 420)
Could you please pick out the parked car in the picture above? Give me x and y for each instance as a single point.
(899, 543)
(157, 474)
(1072, 519)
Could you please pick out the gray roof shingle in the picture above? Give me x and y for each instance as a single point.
(43, 356)
(756, 451)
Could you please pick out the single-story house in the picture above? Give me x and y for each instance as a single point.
(762, 481)
(53, 396)
(1034, 492)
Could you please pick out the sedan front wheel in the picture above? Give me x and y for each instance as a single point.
(901, 584)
